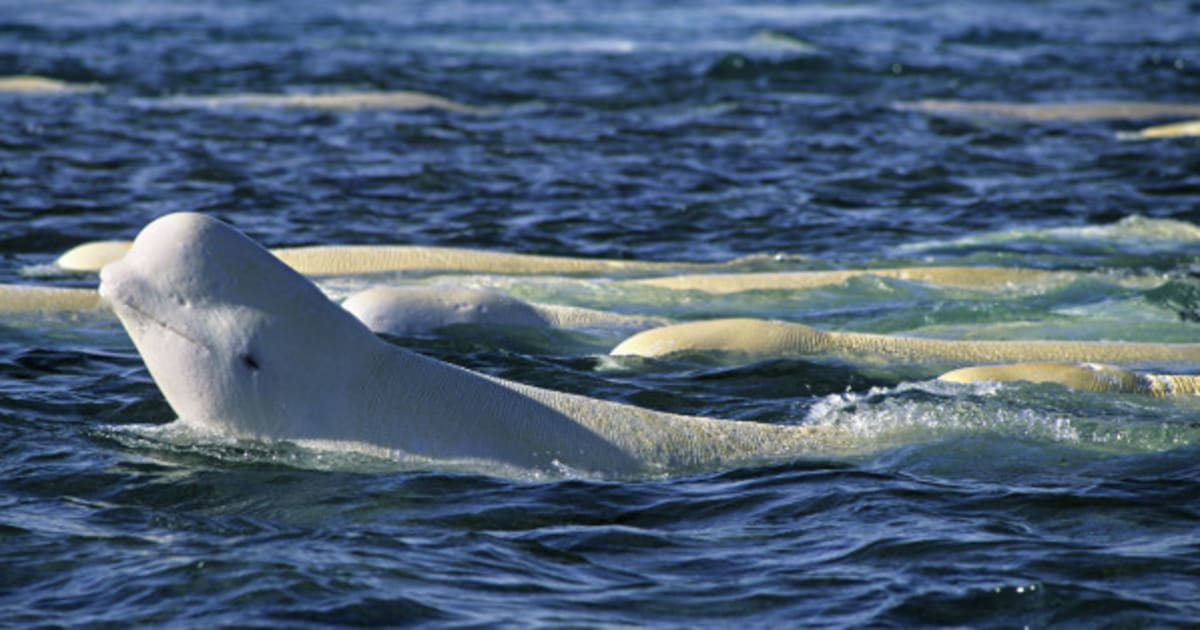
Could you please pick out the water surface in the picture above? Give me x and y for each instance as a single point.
(639, 130)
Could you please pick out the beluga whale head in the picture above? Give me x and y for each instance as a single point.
(236, 341)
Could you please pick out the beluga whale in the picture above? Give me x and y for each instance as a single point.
(240, 343)
(33, 84)
(1093, 377)
(747, 338)
(419, 309)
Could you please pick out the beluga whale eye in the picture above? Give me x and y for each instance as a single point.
(249, 361)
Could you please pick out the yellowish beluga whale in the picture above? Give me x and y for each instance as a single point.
(978, 278)
(1085, 376)
(338, 260)
(757, 338)
(241, 344)
(395, 100)
(23, 298)
(1186, 129)
(34, 85)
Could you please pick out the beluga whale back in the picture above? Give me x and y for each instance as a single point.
(242, 344)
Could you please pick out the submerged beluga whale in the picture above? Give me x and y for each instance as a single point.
(240, 343)
(419, 309)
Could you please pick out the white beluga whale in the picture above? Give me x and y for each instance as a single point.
(241, 344)
(407, 310)
(404, 310)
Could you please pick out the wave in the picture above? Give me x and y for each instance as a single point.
(926, 416)
(933, 412)
(180, 443)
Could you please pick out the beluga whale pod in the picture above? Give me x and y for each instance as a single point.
(243, 345)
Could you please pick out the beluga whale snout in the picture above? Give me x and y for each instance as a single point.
(241, 344)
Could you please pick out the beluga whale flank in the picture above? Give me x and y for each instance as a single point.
(240, 343)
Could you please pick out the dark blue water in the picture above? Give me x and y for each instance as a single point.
(641, 130)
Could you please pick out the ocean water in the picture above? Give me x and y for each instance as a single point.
(702, 131)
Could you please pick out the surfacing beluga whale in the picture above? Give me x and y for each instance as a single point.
(18, 298)
(242, 344)
(396, 100)
(757, 338)
(339, 260)
(37, 85)
(1084, 376)
(420, 309)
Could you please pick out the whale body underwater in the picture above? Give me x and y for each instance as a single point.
(421, 309)
(241, 344)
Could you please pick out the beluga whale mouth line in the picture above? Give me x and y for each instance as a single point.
(283, 362)
(150, 319)
(116, 295)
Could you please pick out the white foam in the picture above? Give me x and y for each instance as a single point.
(184, 439)
(933, 411)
